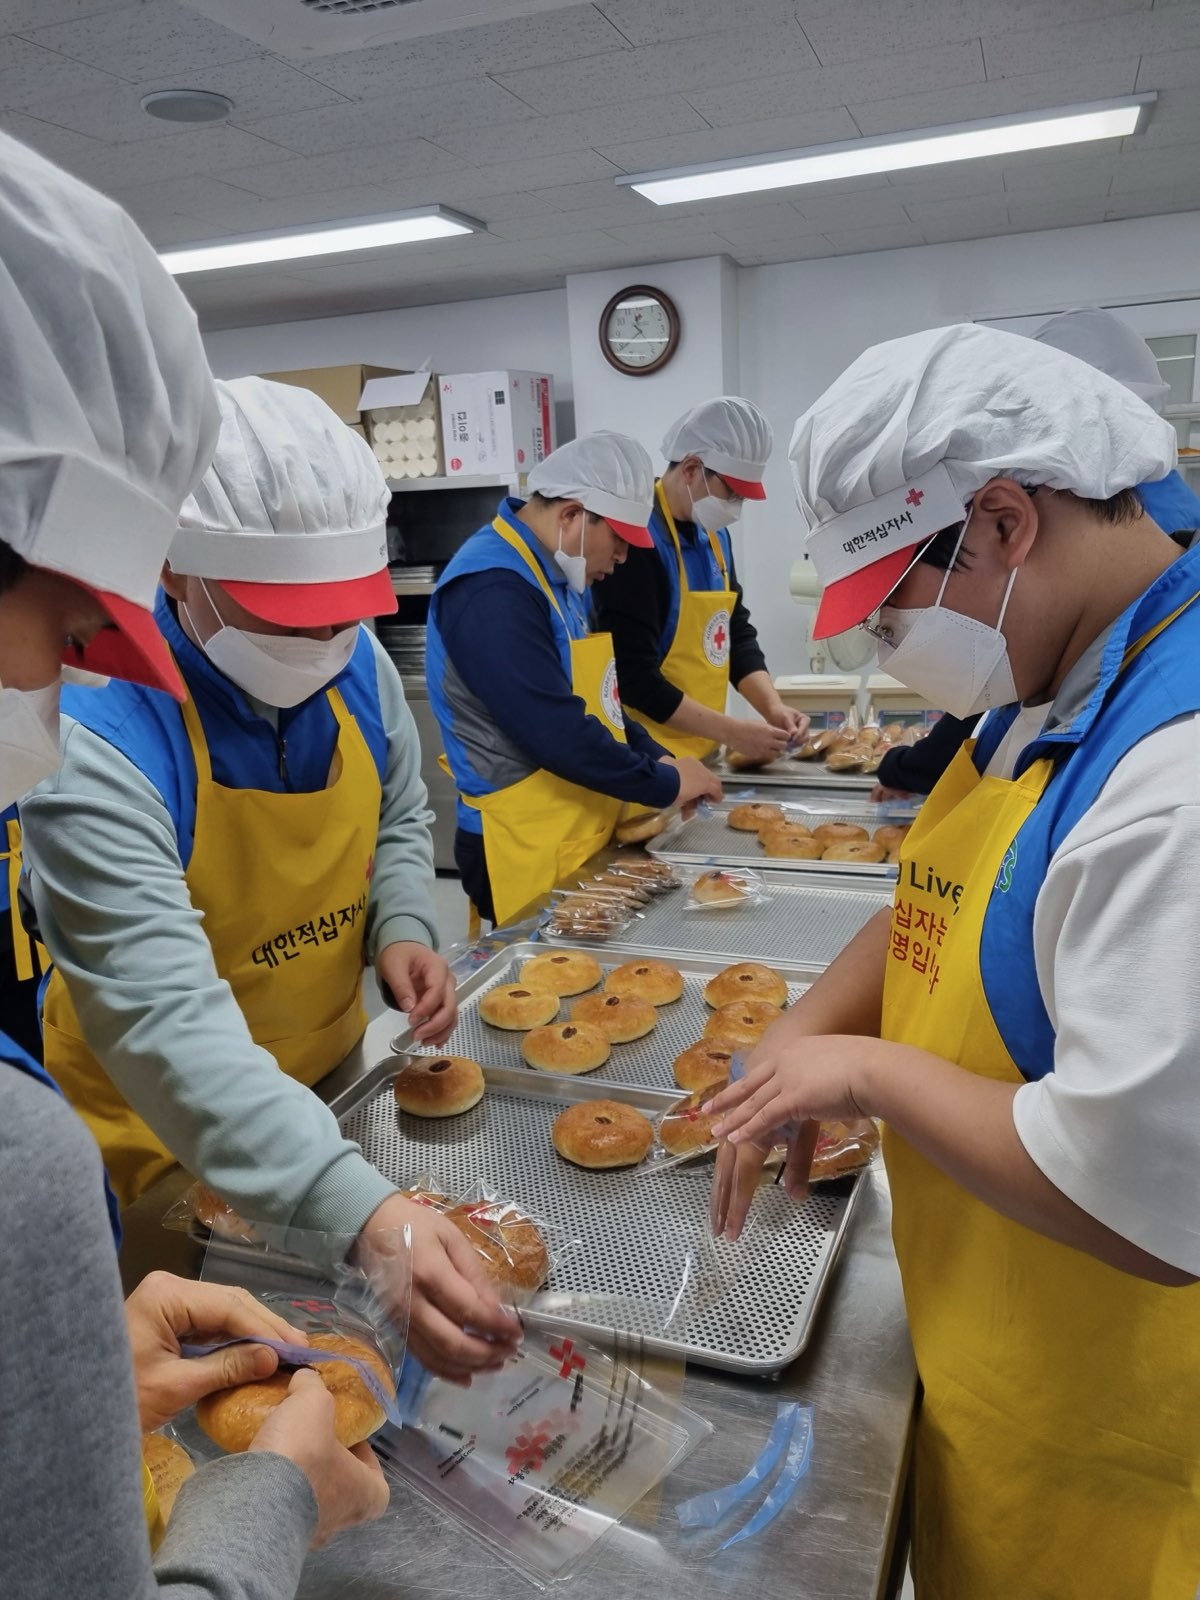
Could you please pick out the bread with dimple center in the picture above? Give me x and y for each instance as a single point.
(622, 1017)
(648, 979)
(511, 1247)
(566, 1047)
(839, 833)
(892, 835)
(518, 1006)
(744, 1022)
(602, 1133)
(169, 1466)
(789, 841)
(232, 1417)
(746, 980)
(750, 818)
(717, 888)
(864, 850)
(644, 826)
(685, 1129)
(564, 973)
(707, 1062)
(439, 1086)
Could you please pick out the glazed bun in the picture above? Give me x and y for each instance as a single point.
(704, 1063)
(892, 836)
(844, 1147)
(684, 1130)
(747, 980)
(839, 833)
(864, 850)
(566, 1047)
(644, 826)
(647, 979)
(717, 888)
(217, 1215)
(232, 1417)
(564, 974)
(602, 1133)
(850, 760)
(518, 1006)
(743, 1023)
(750, 818)
(621, 1017)
(169, 1466)
(439, 1086)
(512, 1250)
(789, 841)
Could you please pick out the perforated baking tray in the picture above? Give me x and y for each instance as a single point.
(646, 1062)
(791, 774)
(707, 837)
(640, 1234)
(804, 922)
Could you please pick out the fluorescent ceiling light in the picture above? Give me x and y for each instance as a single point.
(927, 147)
(294, 244)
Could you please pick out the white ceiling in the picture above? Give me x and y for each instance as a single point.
(524, 124)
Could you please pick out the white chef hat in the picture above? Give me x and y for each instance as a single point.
(1109, 344)
(896, 448)
(610, 474)
(732, 438)
(107, 409)
(291, 517)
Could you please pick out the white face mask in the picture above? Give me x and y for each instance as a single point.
(573, 568)
(958, 664)
(280, 669)
(712, 514)
(28, 739)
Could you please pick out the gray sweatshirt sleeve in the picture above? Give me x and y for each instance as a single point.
(400, 906)
(70, 1462)
(116, 916)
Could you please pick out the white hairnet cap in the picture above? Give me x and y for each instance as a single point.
(107, 409)
(608, 473)
(1110, 345)
(731, 436)
(291, 517)
(895, 449)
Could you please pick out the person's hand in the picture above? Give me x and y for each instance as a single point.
(696, 781)
(879, 794)
(164, 1312)
(457, 1325)
(348, 1485)
(793, 723)
(757, 740)
(738, 1171)
(420, 984)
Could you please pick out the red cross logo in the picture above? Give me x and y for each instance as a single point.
(914, 497)
(315, 1306)
(528, 1451)
(569, 1356)
(719, 638)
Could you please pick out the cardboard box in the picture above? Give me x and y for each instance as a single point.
(404, 426)
(496, 422)
(341, 388)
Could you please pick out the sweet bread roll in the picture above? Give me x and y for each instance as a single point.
(750, 818)
(602, 1133)
(743, 1023)
(844, 1147)
(431, 1198)
(892, 732)
(644, 826)
(232, 1417)
(684, 1129)
(870, 735)
(747, 980)
(657, 873)
(566, 1047)
(845, 760)
(738, 761)
(790, 841)
(648, 979)
(718, 888)
(861, 850)
(439, 1086)
(512, 1249)
(839, 833)
(169, 1466)
(563, 973)
(826, 741)
(892, 836)
(807, 751)
(620, 1017)
(217, 1215)
(518, 1006)
(706, 1062)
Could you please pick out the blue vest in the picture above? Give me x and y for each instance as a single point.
(486, 551)
(1174, 506)
(1160, 684)
(246, 752)
(699, 564)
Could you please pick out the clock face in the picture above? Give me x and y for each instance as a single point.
(638, 331)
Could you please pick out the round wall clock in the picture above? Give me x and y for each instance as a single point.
(639, 330)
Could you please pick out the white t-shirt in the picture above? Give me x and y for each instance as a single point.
(1116, 934)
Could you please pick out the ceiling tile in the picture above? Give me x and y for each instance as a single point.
(781, 96)
(146, 41)
(958, 233)
(897, 237)
(684, 19)
(1035, 214)
(839, 31)
(955, 180)
(1009, 54)
(177, 155)
(575, 196)
(766, 222)
(274, 179)
(43, 83)
(1034, 92)
(552, 224)
(57, 144)
(192, 196)
(540, 172)
(1178, 69)
(874, 208)
(509, 208)
(538, 41)
(20, 14)
(746, 139)
(416, 113)
(664, 233)
(1175, 118)
(601, 125)
(1083, 178)
(683, 66)
(978, 211)
(1175, 165)
(766, 255)
(1151, 202)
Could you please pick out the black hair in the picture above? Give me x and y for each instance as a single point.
(542, 500)
(13, 567)
(1119, 508)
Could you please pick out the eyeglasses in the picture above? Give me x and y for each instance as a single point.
(871, 624)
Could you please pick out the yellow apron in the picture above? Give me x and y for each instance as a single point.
(10, 859)
(282, 882)
(538, 830)
(1058, 1444)
(698, 660)
(155, 1524)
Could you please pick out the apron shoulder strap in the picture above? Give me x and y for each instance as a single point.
(513, 538)
(714, 542)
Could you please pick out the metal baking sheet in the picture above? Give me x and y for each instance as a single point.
(646, 1062)
(641, 1234)
(805, 922)
(706, 838)
(791, 774)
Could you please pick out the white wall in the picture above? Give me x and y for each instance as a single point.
(803, 322)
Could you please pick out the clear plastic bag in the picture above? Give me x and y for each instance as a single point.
(726, 889)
